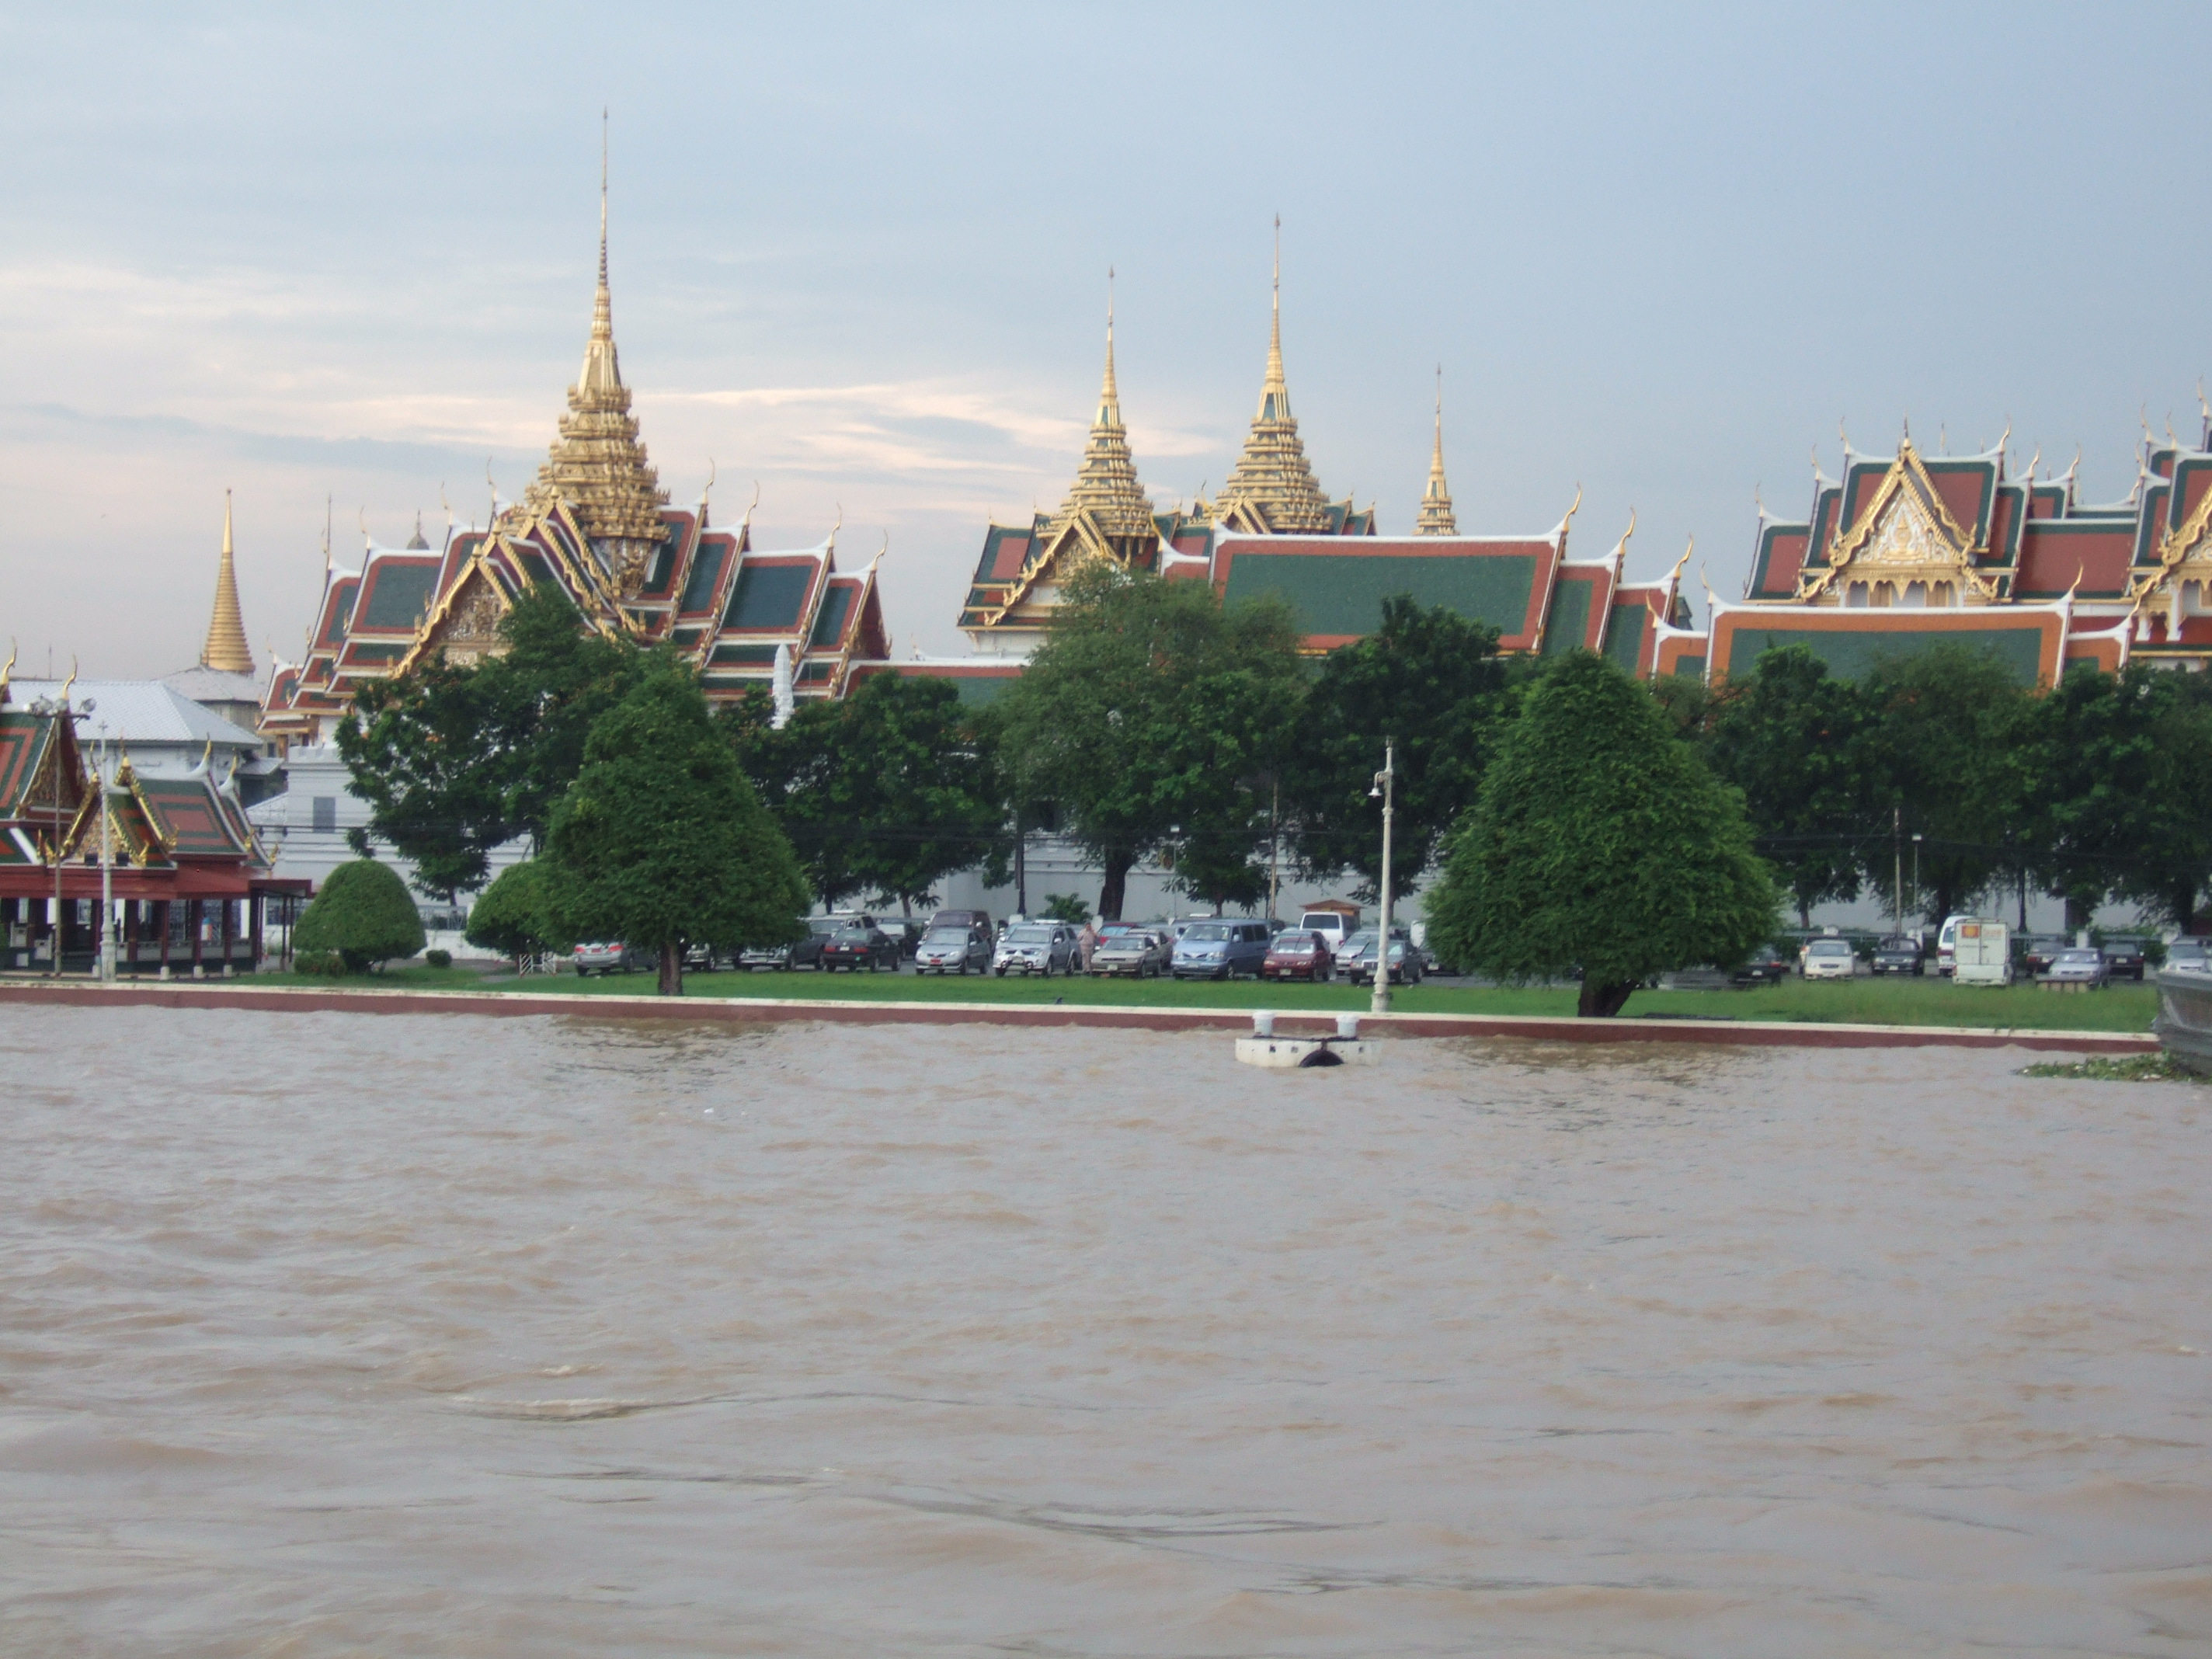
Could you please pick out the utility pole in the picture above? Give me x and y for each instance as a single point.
(1275, 843)
(1384, 781)
(1897, 842)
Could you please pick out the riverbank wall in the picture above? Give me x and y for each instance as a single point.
(746, 1011)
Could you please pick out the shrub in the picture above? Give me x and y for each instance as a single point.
(325, 963)
(508, 918)
(438, 959)
(363, 913)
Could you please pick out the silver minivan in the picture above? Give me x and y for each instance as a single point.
(1220, 949)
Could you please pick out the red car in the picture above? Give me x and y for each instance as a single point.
(1297, 954)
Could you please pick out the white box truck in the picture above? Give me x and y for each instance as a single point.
(1981, 954)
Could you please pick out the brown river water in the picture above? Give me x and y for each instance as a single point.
(338, 1334)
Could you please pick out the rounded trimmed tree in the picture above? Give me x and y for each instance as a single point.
(509, 918)
(661, 840)
(364, 913)
(1600, 842)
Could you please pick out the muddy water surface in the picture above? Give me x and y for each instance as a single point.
(340, 1334)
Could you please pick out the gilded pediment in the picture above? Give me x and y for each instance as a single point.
(1906, 537)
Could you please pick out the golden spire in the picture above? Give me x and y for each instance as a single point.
(227, 650)
(1436, 501)
(597, 465)
(1106, 485)
(1271, 482)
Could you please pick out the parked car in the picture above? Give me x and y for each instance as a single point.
(2079, 966)
(754, 956)
(1044, 948)
(2038, 952)
(961, 919)
(1216, 948)
(1298, 953)
(1900, 953)
(699, 958)
(1139, 952)
(1828, 958)
(807, 953)
(855, 947)
(2124, 956)
(1334, 927)
(604, 958)
(1364, 950)
(1946, 941)
(1767, 966)
(954, 950)
(2190, 956)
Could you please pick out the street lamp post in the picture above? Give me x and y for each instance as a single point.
(1384, 781)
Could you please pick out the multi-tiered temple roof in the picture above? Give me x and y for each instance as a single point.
(595, 524)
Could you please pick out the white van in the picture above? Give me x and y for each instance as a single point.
(1948, 938)
(1981, 952)
(1334, 927)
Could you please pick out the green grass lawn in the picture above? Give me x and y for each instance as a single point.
(2126, 1007)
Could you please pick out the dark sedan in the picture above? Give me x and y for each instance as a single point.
(1900, 953)
(856, 947)
(2038, 952)
(1767, 966)
(2124, 957)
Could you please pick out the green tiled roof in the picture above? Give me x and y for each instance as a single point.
(399, 593)
(830, 621)
(1568, 626)
(1624, 640)
(1342, 594)
(706, 571)
(770, 596)
(1852, 654)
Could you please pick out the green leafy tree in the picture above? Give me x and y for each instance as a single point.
(1597, 843)
(363, 913)
(424, 750)
(1432, 681)
(2119, 792)
(509, 916)
(660, 840)
(1067, 906)
(1151, 709)
(1949, 730)
(1797, 744)
(886, 793)
(454, 761)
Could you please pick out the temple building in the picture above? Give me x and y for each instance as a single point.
(1908, 547)
(595, 524)
(1271, 491)
(188, 878)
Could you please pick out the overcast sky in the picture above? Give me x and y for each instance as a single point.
(860, 257)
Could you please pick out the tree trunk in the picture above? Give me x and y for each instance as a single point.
(672, 968)
(1600, 1001)
(1112, 889)
(1804, 914)
(2184, 907)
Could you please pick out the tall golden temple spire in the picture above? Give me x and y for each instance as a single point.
(1437, 518)
(1271, 487)
(1106, 485)
(598, 466)
(226, 648)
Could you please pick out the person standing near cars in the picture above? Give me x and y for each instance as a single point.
(1085, 942)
